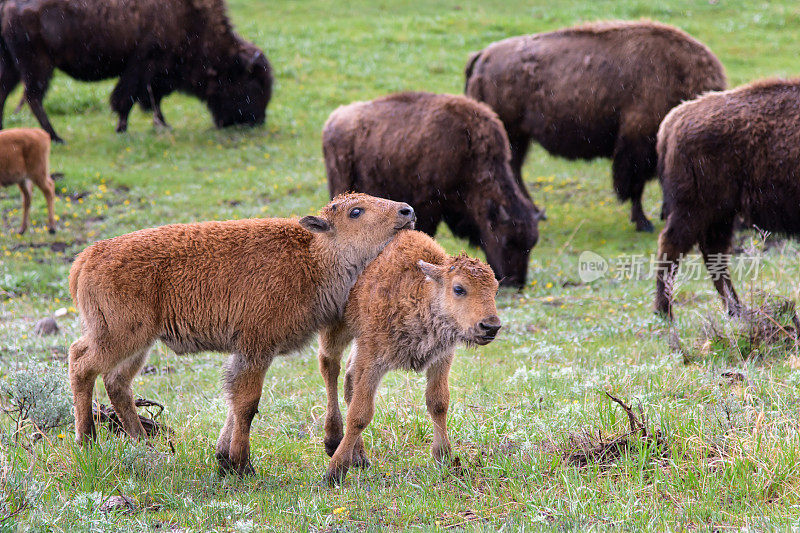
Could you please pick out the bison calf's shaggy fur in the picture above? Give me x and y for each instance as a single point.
(25, 161)
(446, 155)
(727, 154)
(597, 90)
(408, 311)
(155, 47)
(253, 288)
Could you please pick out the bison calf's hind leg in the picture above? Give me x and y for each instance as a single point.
(243, 382)
(83, 370)
(118, 386)
(437, 399)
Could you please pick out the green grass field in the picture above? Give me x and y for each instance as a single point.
(729, 418)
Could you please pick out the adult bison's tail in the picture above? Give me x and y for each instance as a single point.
(473, 58)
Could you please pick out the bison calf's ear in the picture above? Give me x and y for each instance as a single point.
(315, 224)
(434, 272)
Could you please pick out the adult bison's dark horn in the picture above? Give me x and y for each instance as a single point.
(541, 214)
(250, 61)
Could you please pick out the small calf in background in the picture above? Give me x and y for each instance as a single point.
(407, 311)
(25, 161)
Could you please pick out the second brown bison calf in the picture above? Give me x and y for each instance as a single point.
(408, 311)
(25, 161)
(253, 288)
(596, 90)
(446, 155)
(727, 155)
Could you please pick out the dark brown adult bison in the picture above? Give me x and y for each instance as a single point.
(154, 46)
(447, 156)
(597, 90)
(727, 154)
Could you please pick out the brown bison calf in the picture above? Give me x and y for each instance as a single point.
(727, 154)
(254, 288)
(25, 161)
(408, 310)
(596, 90)
(446, 155)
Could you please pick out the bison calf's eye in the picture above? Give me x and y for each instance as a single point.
(459, 290)
(356, 212)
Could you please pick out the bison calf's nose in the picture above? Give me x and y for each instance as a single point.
(491, 325)
(407, 212)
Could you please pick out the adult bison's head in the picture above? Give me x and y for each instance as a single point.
(239, 88)
(508, 238)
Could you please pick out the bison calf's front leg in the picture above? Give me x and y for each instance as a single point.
(437, 399)
(243, 381)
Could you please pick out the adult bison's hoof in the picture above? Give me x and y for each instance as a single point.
(645, 226)
(664, 311)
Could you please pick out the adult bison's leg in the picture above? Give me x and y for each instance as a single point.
(519, 150)
(634, 162)
(122, 98)
(437, 400)
(9, 79)
(244, 379)
(36, 78)
(715, 247)
(155, 102)
(364, 379)
(118, 386)
(673, 242)
(332, 342)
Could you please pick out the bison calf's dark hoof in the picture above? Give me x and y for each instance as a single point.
(334, 476)
(52, 231)
(331, 445)
(227, 467)
(361, 461)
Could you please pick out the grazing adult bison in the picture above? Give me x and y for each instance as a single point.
(726, 155)
(596, 90)
(446, 155)
(155, 47)
(254, 288)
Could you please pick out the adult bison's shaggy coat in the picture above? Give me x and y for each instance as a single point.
(446, 155)
(726, 155)
(597, 90)
(407, 311)
(254, 288)
(25, 161)
(154, 46)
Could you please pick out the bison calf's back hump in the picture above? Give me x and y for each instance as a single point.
(446, 155)
(597, 90)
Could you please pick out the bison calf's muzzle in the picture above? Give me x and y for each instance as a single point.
(487, 330)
